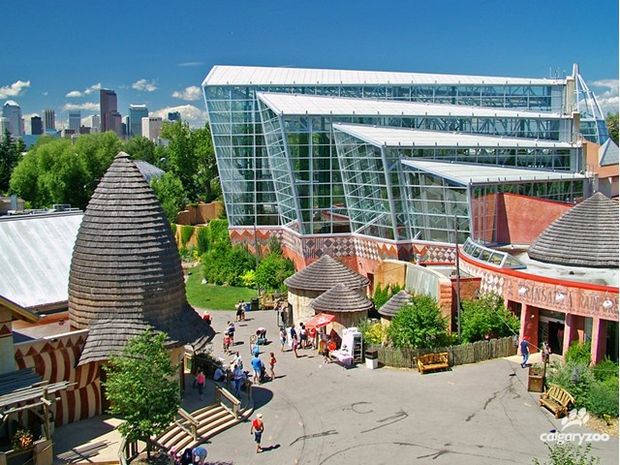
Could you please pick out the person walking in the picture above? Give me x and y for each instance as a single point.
(231, 332)
(282, 338)
(303, 336)
(238, 378)
(257, 430)
(226, 343)
(525, 351)
(272, 365)
(200, 382)
(257, 367)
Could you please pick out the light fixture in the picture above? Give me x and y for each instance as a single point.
(522, 290)
(608, 304)
(559, 296)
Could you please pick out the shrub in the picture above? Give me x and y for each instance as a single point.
(274, 246)
(603, 398)
(419, 325)
(576, 378)
(487, 318)
(224, 264)
(173, 227)
(373, 333)
(605, 370)
(186, 234)
(202, 240)
(218, 232)
(249, 278)
(383, 294)
(272, 271)
(579, 352)
(568, 453)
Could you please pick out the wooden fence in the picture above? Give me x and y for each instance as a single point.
(457, 355)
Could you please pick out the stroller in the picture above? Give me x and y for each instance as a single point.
(261, 336)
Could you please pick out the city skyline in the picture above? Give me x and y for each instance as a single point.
(166, 73)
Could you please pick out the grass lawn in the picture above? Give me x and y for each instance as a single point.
(214, 297)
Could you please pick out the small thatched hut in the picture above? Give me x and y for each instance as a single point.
(586, 235)
(315, 279)
(126, 272)
(346, 304)
(392, 306)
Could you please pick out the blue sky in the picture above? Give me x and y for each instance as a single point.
(149, 51)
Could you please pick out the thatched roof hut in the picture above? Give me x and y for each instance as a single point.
(396, 302)
(346, 304)
(586, 235)
(126, 272)
(324, 274)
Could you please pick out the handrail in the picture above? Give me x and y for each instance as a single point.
(192, 429)
(223, 393)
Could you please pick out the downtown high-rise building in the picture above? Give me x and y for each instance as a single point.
(136, 113)
(36, 125)
(49, 116)
(75, 121)
(93, 122)
(13, 114)
(151, 127)
(110, 117)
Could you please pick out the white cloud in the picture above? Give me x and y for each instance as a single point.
(14, 90)
(73, 94)
(190, 93)
(88, 106)
(144, 86)
(609, 98)
(191, 63)
(190, 113)
(93, 88)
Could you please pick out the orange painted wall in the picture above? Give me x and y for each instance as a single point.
(521, 219)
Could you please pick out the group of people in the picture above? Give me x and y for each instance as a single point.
(302, 339)
(524, 346)
(189, 456)
(229, 337)
(240, 310)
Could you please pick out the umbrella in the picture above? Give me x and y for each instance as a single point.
(320, 320)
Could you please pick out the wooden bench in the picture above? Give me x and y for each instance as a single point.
(556, 400)
(430, 362)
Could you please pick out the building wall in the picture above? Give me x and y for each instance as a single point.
(54, 359)
(7, 361)
(200, 213)
(515, 222)
(300, 300)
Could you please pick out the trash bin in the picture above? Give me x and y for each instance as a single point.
(254, 304)
(536, 379)
(372, 359)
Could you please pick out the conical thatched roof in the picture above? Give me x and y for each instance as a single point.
(396, 302)
(586, 235)
(125, 271)
(341, 298)
(324, 274)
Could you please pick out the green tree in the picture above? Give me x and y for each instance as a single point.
(612, 126)
(419, 325)
(271, 272)
(487, 317)
(141, 148)
(10, 151)
(142, 388)
(568, 453)
(226, 264)
(62, 171)
(170, 193)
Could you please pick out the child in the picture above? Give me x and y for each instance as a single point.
(226, 343)
(272, 364)
(282, 338)
(231, 332)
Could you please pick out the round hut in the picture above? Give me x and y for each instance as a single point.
(392, 306)
(126, 271)
(586, 235)
(315, 279)
(347, 305)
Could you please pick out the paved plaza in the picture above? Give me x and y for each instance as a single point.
(327, 415)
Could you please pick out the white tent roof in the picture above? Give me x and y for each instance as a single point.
(396, 137)
(296, 104)
(222, 75)
(36, 256)
(471, 173)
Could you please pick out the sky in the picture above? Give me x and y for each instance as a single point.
(57, 54)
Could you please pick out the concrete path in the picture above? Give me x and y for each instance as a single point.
(326, 415)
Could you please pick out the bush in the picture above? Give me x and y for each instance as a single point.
(218, 232)
(576, 378)
(272, 271)
(202, 240)
(249, 278)
(173, 227)
(419, 325)
(487, 318)
(224, 264)
(186, 234)
(383, 294)
(568, 453)
(579, 352)
(373, 333)
(605, 370)
(603, 398)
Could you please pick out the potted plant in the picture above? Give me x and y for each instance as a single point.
(22, 439)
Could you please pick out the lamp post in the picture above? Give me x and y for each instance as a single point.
(458, 277)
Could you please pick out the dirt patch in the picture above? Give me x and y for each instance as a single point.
(604, 426)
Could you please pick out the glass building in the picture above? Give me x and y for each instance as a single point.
(276, 144)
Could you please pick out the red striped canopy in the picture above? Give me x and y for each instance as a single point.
(319, 320)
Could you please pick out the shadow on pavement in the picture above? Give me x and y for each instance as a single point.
(261, 396)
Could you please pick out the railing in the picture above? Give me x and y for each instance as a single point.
(127, 451)
(187, 423)
(223, 396)
(457, 355)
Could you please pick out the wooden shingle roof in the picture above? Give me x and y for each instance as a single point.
(396, 302)
(586, 235)
(323, 274)
(341, 298)
(125, 271)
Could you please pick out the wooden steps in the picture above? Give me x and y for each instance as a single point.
(212, 420)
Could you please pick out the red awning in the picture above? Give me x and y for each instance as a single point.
(320, 320)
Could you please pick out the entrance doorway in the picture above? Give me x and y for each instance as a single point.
(551, 330)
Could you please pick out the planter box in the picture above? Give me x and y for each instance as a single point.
(536, 380)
